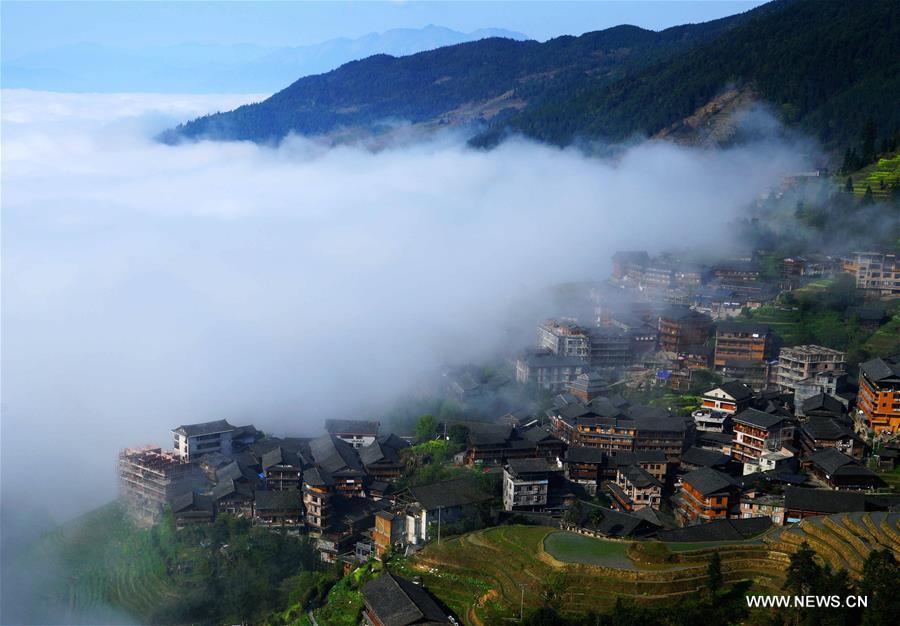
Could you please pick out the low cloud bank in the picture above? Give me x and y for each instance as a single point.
(146, 285)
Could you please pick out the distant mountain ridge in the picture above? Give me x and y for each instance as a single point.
(823, 66)
(215, 68)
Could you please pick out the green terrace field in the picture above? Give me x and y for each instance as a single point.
(879, 176)
(104, 562)
(482, 575)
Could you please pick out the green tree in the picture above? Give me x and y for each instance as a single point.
(426, 427)
(714, 574)
(803, 572)
(575, 513)
(868, 197)
(879, 583)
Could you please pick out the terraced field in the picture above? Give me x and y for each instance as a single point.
(879, 176)
(482, 575)
(844, 540)
(106, 564)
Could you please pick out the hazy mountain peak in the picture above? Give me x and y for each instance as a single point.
(192, 67)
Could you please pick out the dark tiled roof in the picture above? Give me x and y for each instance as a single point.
(714, 439)
(704, 458)
(397, 602)
(829, 460)
(189, 500)
(351, 427)
(382, 449)
(230, 487)
(742, 327)
(485, 433)
(826, 429)
(280, 456)
(823, 501)
(278, 500)
(229, 472)
(721, 530)
(758, 419)
(639, 477)
(620, 459)
(448, 493)
(736, 389)
(679, 313)
(528, 466)
(823, 402)
(206, 428)
(708, 481)
(584, 454)
(618, 524)
(537, 434)
(672, 424)
(882, 369)
(335, 455)
(317, 477)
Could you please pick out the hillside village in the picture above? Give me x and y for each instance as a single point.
(658, 408)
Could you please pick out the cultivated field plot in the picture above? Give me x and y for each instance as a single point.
(575, 548)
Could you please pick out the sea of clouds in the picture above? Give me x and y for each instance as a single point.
(147, 285)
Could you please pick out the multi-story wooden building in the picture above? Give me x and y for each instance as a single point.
(278, 508)
(681, 327)
(644, 429)
(720, 404)
(756, 432)
(318, 492)
(283, 469)
(706, 495)
(588, 386)
(635, 489)
(737, 341)
(584, 465)
(829, 432)
(879, 394)
(654, 462)
(382, 458)
(388, 531)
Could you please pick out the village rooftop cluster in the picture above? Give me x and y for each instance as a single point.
(786, 434)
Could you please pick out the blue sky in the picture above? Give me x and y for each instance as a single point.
(33, 26)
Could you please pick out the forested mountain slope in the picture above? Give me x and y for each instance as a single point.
(824, 66)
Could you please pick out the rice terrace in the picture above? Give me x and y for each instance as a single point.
(482, 575)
